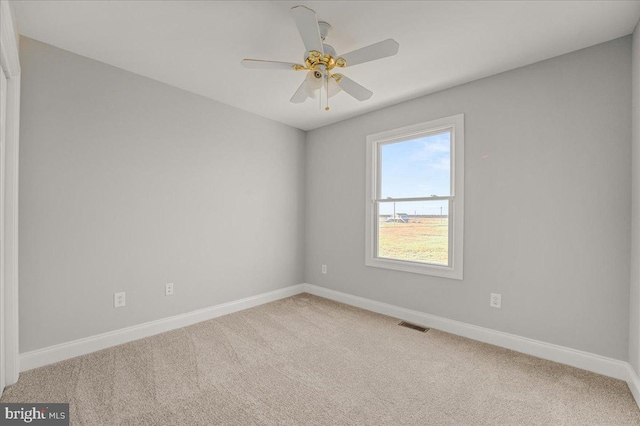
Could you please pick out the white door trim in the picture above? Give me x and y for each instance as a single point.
(10, 63)
(3, 108)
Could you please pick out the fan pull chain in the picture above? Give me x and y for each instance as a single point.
(327, 107)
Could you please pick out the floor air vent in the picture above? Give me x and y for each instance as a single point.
(413, 326)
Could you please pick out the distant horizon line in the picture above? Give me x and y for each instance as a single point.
(416, 215)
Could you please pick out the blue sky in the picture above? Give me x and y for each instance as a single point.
(416, 168)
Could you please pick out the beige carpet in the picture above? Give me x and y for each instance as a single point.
(310, 361)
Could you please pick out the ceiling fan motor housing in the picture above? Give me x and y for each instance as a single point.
(313, 59)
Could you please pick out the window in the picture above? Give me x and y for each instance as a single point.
(415, 198)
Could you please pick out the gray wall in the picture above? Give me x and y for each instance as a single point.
(634, 317)
(547, 214)
(127, 184)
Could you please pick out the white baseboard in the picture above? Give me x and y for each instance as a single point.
(53, 354)
(617, 369)
(634, 384)
(573, 357)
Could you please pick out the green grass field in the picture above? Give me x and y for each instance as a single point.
(419, 240)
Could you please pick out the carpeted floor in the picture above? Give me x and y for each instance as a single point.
(310, 361)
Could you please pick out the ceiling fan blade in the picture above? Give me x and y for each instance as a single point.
(375, 51)
(301, 94)
(269, 65)
(307, 23)
(354, 89)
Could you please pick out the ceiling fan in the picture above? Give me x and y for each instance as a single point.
(320, 59)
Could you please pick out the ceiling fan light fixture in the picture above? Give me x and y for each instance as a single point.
(334, 89)
(320, 58)
(315, 79)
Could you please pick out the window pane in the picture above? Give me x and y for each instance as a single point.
(415, 231)
(416, 168)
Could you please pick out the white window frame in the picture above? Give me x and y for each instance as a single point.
(455, 124)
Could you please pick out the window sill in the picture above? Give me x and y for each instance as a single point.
(416, 268)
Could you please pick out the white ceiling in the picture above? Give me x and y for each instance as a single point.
(198, 45)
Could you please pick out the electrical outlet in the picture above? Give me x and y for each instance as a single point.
(496, 300)
(119, 300)
(324, 269)
(168, 289)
